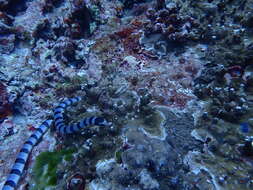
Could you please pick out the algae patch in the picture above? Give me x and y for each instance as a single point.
(44, 171)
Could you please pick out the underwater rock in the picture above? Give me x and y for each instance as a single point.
(248, 78)
(235, 71)
(5, 18)
(179, 126)
(40, 20)
(250, 122)
(230, 51)
(228, 99)
(7, 38)
(145, 161)
(7, 43)
(5, 29)
(6, 128)
(13, 7)
(149, 153)
(209, 74)
(49, 5)
(247, 148)
(147, 181)
(64, 50)
(160, 4)
(5, 106)
(79, 20)
(202, 135)
(114, 174)
(26, 24)
(3, 4)
(129, 4)
(76, 182)
(121, 101)
(231, 105)
(247, 20)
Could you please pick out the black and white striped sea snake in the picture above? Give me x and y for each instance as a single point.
(18, 167)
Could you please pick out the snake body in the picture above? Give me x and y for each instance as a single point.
(18, 167)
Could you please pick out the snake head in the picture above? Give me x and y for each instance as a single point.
(100, 121)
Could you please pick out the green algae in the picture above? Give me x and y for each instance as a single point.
(45, 169)
(118, 157)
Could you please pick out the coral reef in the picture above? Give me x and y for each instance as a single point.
(142, 165)
(172, 75)
(174, 28)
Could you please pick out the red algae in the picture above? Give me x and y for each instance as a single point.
(124, 33)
